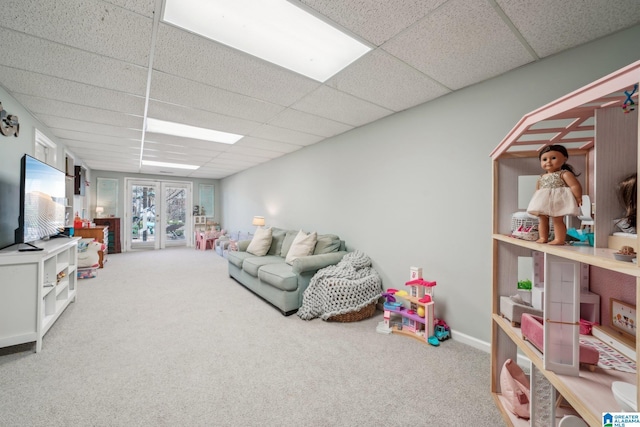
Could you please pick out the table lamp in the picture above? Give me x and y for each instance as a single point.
(99, 211)
(258, 221)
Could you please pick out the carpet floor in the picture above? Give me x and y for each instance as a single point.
(166, 338)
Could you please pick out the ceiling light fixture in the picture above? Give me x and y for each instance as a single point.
(276, 31)
(169, 165)
(186, 131)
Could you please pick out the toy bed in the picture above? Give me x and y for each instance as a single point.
(533, 331)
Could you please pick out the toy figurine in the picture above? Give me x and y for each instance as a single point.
(558, 193)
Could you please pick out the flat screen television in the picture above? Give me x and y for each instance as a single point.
(42, 202)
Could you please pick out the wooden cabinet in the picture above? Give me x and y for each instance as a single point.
(113, 234)
(602, 140)
(101, 234)
(36, 287)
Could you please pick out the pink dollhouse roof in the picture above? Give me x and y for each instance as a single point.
(420, 282)
(569, 120)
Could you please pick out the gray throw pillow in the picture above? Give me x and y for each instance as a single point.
(327, 243)
(277, 238)
(286, 243)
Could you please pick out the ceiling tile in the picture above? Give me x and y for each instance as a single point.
(374, 20)
(94, 26)
(61, 123)
(67, 63)
(304, 122)
(285, 135)
(196, 58)
(143, 7)
(173, 90)
(381, 78)
(265, 144)
(341, 107)
(550, 26)
(80, 112)
(461, 43)
(254, 152)
(200, 118)
(177, 141)
(63, 90)
(86, 138)
(236, 160)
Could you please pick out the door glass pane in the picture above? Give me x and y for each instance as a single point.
(175, 214)
(143, 215)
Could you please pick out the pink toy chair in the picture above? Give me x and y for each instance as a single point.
(205, 240)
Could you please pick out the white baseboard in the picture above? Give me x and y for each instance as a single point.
(471, 341)
(485, 346)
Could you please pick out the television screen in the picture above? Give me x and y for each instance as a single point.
(42, 207)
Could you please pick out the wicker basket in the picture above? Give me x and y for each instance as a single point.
(354, 316)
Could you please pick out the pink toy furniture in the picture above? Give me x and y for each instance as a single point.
(533, 331)
(205, 240)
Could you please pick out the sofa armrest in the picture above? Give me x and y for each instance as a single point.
(316, 262)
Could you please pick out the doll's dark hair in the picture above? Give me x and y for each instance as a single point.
(627, 193)
(563, 151)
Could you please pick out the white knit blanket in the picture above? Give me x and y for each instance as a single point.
(348, 286)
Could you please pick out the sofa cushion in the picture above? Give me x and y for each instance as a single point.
(286, 243)
(237, 258)
(279, 276)
(253, 264)
(277, 238)
(327, 243)
(302, 245)
(261, 242)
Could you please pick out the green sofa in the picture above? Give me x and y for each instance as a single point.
(277, 282)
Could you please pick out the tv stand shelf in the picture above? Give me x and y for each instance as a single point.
(36, 288)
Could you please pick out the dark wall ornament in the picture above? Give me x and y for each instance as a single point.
(8, 123)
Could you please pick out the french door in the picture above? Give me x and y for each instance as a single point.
(156, 214)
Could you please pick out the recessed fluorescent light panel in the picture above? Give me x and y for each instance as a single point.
(274, 30)
(169, 165)
(186, 131)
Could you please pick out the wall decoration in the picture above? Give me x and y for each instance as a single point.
(8, 123)
(623, 318)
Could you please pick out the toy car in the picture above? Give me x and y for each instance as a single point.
(442, 333)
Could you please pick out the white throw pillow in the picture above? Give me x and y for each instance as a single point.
(302, 245)
(261, 242)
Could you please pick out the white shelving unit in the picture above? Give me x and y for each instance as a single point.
(36, 288)
(603, 144)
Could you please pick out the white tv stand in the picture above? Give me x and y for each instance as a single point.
(36, 287)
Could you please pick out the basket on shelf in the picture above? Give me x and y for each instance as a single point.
(524, 226)
(355, 316)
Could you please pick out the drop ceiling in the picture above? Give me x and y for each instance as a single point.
(82, 67)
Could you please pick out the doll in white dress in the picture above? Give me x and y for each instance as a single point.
(558, 193)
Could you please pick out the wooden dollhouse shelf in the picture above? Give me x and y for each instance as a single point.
(599, 257)
(590, 392)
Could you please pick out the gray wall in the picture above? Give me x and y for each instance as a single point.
(11, 151)
(414, 189)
